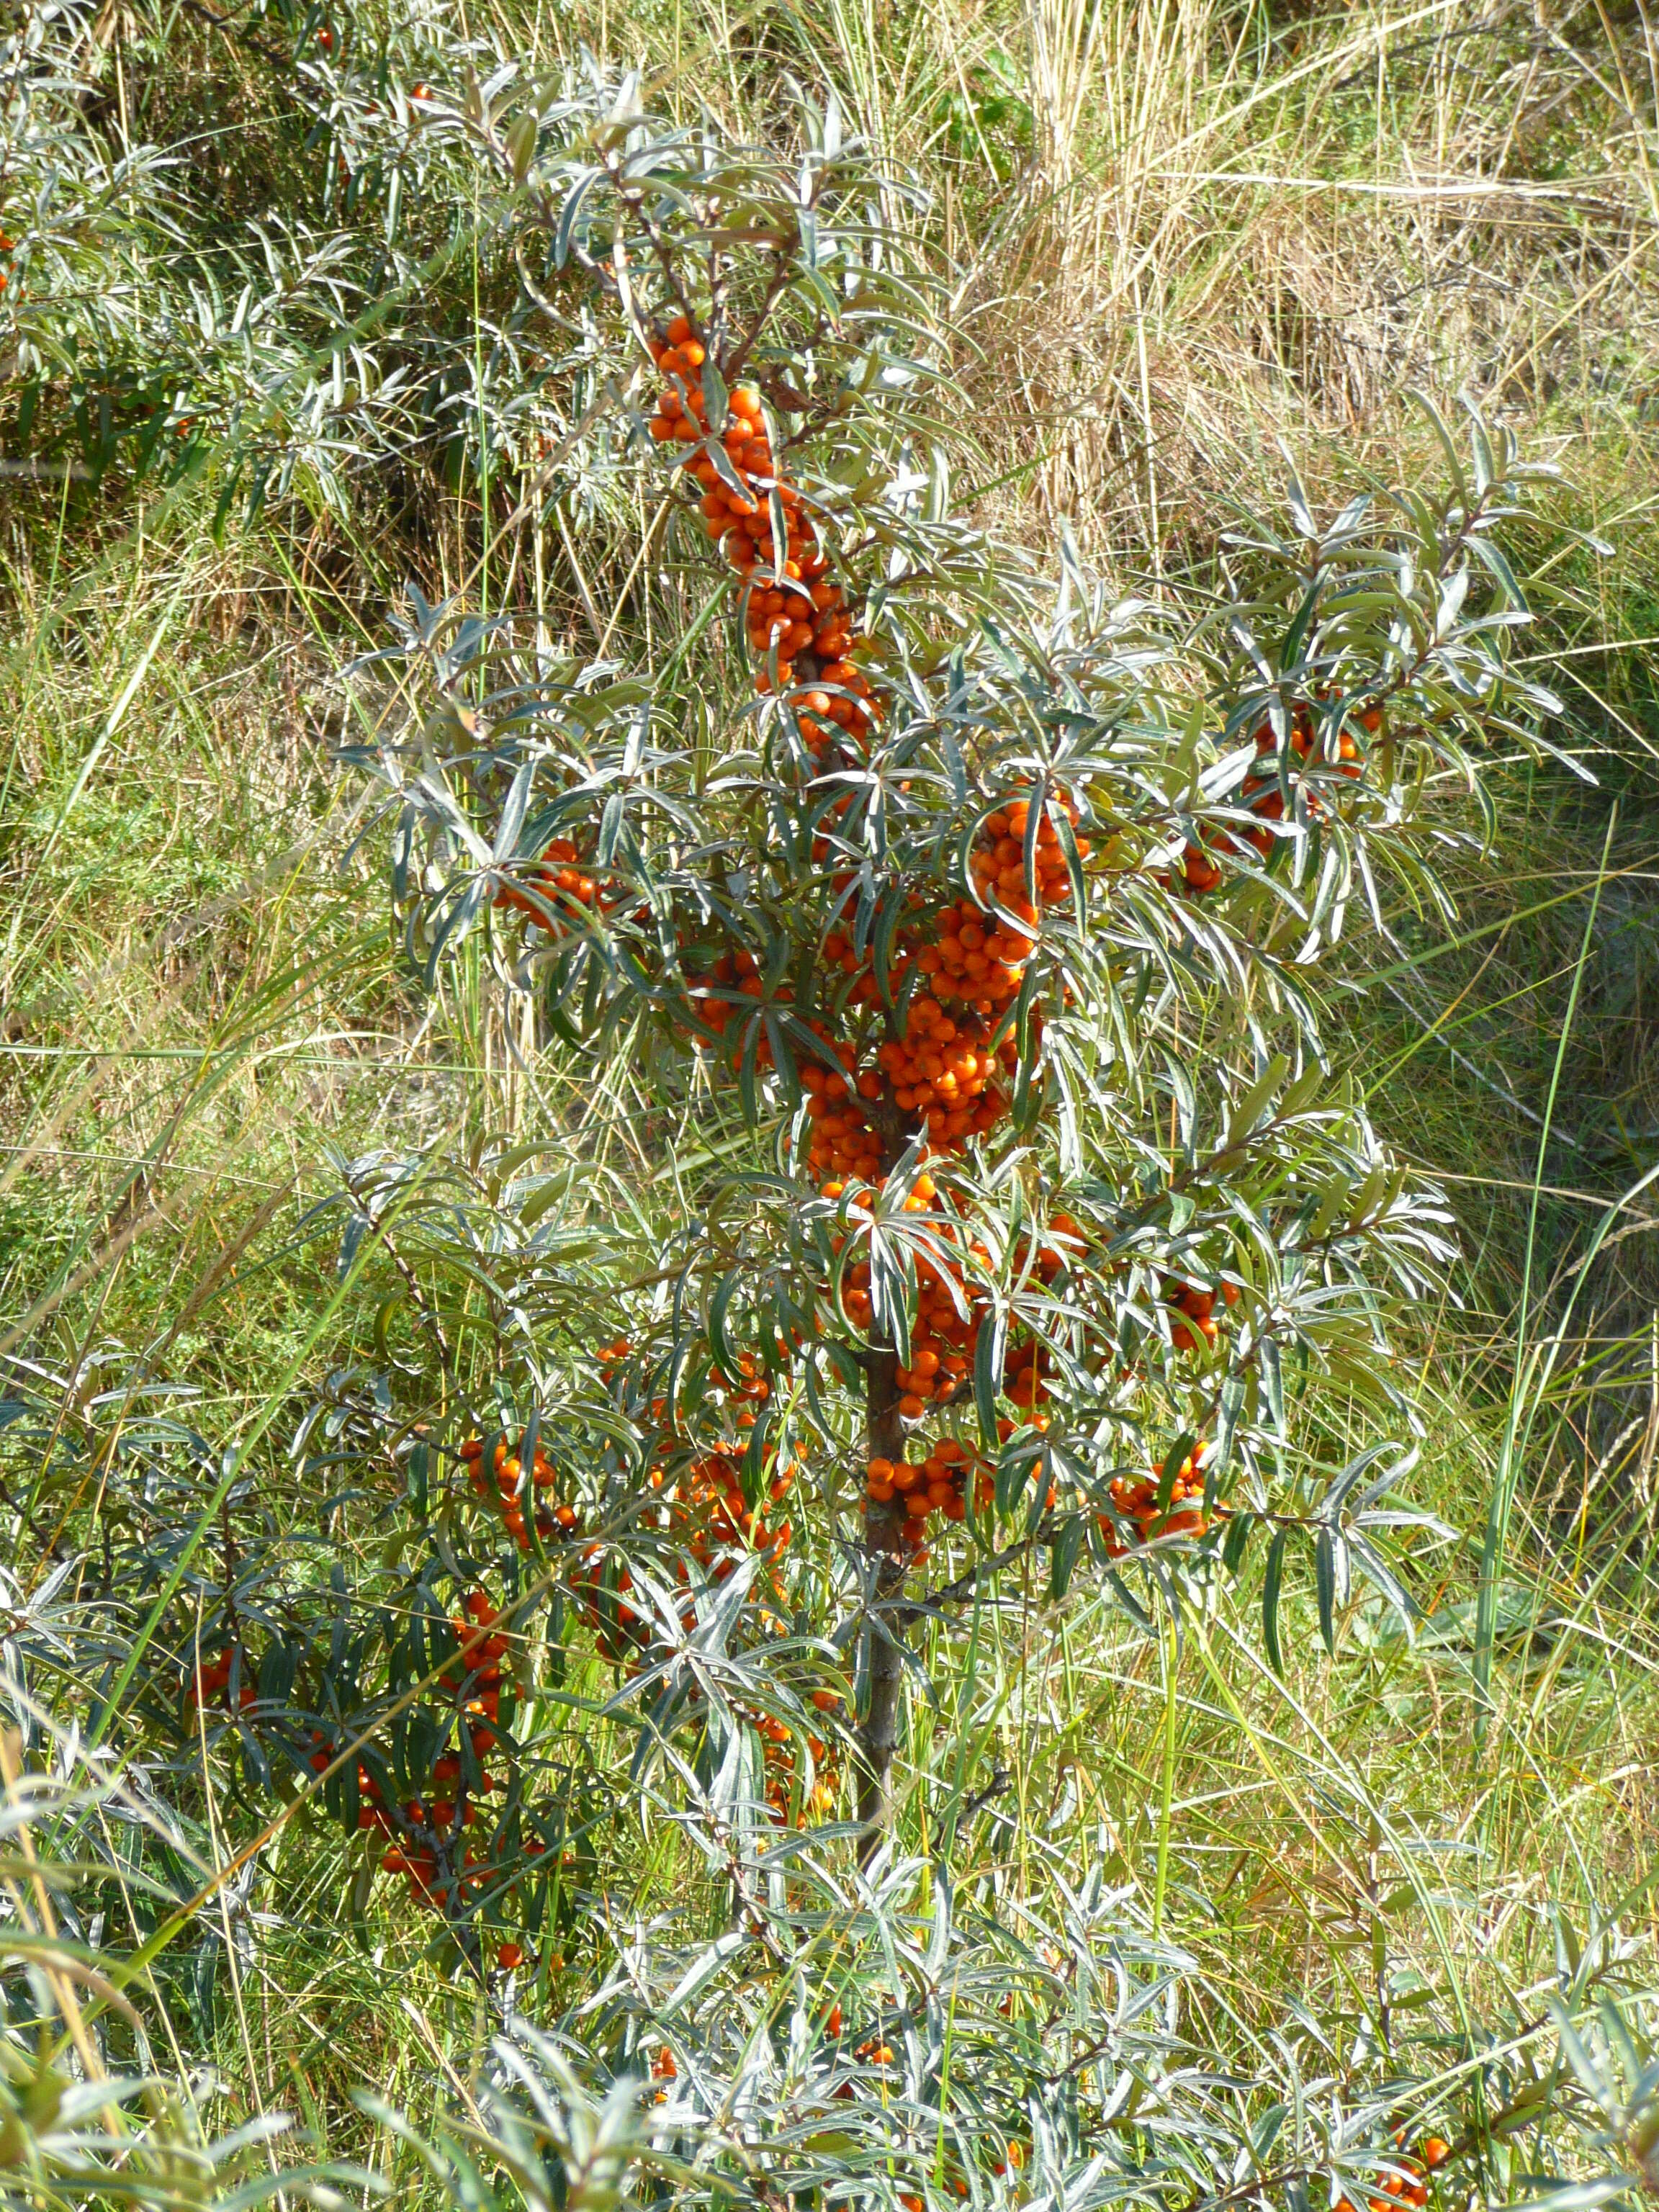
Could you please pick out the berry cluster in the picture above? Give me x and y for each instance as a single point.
(796, 617)
(937, 1066)
(941, 1070)
(843, 1139)
(937, 1484)
(1023, 1371)
(211, 1679)
(1196, 1302)
(706, 1502)
(734, 977)
(432, 1886)
(600, 1589)
(720, 1520)
(997, 862)
(1407, 2184)
(963, 969)
(709, 1503)
(778, 1751)
(475, 1670)
(1264, 794)
(423, 1833)
(944, 1343)
(556, 888)
(948, 1316)
(511, 1488)
(1138, 1501)
(937, 1070)
(964, 964)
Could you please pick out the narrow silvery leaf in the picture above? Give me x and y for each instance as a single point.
(1271, 1586)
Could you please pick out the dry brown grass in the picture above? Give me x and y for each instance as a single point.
(1221, 239)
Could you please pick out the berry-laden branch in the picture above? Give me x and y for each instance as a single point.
(921, 1082)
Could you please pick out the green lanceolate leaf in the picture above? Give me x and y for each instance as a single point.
(1272, 1585)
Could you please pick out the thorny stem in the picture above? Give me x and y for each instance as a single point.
(878, 1731)
(882, 1526)
(425, 1312)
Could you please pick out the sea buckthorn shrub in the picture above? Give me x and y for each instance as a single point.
(988, 932)
(953, 934)
(1018, 1270)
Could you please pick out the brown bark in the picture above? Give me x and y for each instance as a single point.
(879, 1735)
(879, 1731)
(882, 1527)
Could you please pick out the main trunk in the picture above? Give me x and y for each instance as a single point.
(879, 1731)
